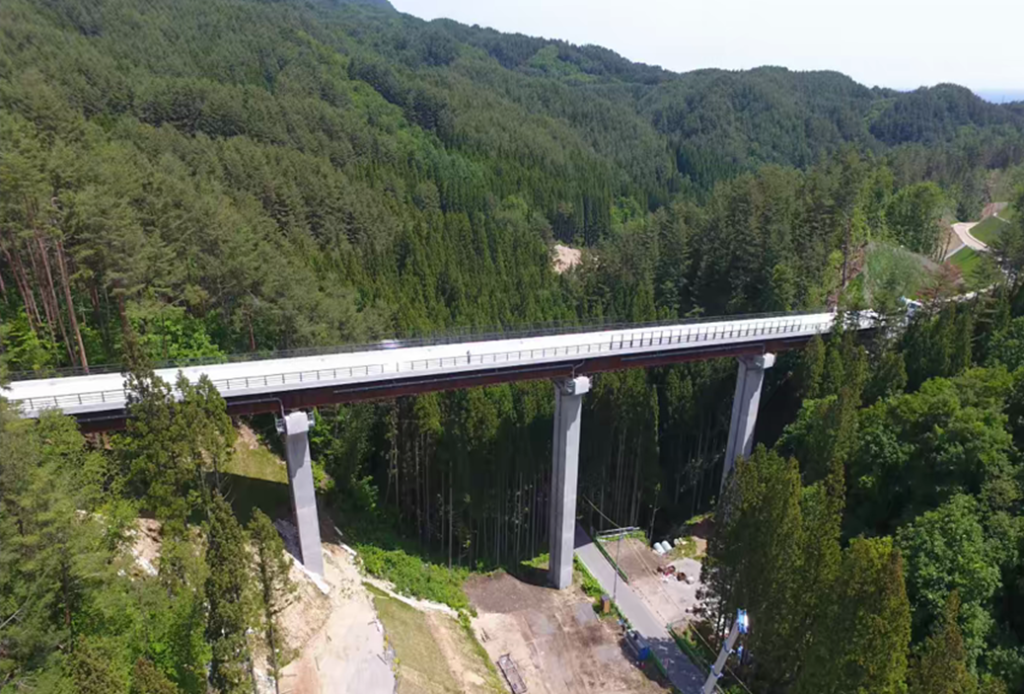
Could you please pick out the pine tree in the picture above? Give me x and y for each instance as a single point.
(273, 584)
(95, 667)
(229, 595)
(753, 560)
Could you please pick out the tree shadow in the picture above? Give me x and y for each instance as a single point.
(648, 667)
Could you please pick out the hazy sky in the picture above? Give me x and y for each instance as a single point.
(893, 43)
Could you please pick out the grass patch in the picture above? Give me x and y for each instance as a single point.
(965, 260)
(687, 549)
(541, 561)
(593, 589)
(256, 478)
(989, 230)
(416, 651)
(416, 578)
(494, 679)
(258, 463)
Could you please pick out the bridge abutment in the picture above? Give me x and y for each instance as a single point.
(564, 473)
(745, 403)
(294, 428)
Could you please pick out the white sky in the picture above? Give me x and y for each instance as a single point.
(893, 43)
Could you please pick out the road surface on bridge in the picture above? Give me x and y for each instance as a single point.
(390, 369)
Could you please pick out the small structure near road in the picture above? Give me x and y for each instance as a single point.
(511, 672)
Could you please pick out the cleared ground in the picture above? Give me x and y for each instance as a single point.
(433, 652)
(670, 599)
(339, 642)
(556, 639)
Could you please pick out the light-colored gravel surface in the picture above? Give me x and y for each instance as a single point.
(963, 230)
(346, 655)
(566, 258)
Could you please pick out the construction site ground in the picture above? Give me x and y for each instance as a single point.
(434, 654)
(672, 601)
(556, 639)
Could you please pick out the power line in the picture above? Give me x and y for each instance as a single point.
(662, 589)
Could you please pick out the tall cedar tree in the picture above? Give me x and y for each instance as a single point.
(230, 599)
(860, 643)
(273, 584)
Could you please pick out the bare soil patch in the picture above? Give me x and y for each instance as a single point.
(339, 639)
(993, 208)
(555, 638)
(566, 258)
(671, 600)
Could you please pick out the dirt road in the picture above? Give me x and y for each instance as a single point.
(346, 654)
(684, 674)
(557, 641)
(963, 231)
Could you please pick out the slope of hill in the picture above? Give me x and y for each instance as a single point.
(294, 173)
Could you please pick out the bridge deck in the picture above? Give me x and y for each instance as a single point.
(290, 383)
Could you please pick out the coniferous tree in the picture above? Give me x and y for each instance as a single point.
(811, 369)
(146, 679)
(860, 643)
(273, 584)
(941, 667)
(230, 599)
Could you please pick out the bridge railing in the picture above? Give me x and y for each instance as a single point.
(454, 335)
(620, 341)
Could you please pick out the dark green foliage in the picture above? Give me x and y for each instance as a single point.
(942, 667)
(1006, 346)
(146, 679)
(95, 667)
(173, 440)
(191, 178)
(827, 620)
(946, 551)
(860, 643)
(230, 598)
(913, 215)
(272, 583)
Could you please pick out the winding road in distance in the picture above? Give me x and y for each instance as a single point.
(963, 230)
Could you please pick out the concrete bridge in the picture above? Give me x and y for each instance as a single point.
(290, 387)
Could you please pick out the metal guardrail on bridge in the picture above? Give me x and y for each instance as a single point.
(628, 340)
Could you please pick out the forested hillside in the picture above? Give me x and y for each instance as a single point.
(184, 179)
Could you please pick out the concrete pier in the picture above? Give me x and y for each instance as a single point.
(295, 430)
(745, 403)
(565, 467)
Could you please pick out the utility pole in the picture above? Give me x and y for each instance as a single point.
(740, 626)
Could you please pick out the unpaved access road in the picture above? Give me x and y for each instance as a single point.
(557, 641)
(346, 654)
(963, 231)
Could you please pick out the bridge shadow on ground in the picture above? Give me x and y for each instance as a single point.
(246, 494)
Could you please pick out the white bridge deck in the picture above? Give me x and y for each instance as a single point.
(79, 395)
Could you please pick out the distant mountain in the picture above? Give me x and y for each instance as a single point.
(1001, 96)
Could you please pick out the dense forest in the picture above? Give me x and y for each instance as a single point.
(195, 179)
